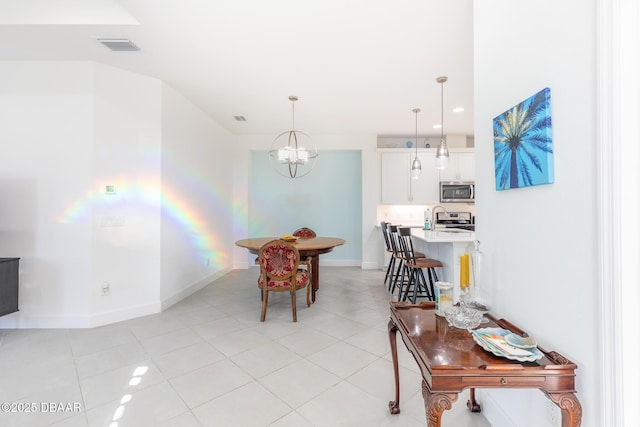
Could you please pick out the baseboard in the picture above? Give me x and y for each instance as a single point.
(323, 262)
(492, 410)
(340, 262)
(192, 288)
(241, 265)
(20, 320)
(122, 314)
(370, 266)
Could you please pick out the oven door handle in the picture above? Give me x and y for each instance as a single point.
(473, 191)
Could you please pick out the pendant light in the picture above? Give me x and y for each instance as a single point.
(442, 152)
(416, 166)
(288, 154)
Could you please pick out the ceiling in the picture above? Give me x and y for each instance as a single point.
(357, 66)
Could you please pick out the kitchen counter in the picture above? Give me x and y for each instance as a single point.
(442, 236)
(447, 247)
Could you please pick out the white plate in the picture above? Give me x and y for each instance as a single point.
(533, 353)
(520, 342)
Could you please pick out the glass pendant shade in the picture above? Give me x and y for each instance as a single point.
(416, 169)
(442, 153)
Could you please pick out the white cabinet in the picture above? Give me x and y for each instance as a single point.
(398, 188)
(394, 175)
(461, 167)
(426, 189)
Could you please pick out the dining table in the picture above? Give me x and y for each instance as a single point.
(311, 247)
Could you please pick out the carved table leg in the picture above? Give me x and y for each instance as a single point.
(394, 405)
(436, 403)
(570, 407)
(472, 403)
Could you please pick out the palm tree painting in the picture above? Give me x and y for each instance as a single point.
(523, 152)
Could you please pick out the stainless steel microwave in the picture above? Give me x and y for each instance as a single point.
(457, 192)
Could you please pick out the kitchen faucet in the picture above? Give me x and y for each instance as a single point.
(433, 215)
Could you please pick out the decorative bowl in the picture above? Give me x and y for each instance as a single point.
(463, 317)
(473, 300)
(520, 342)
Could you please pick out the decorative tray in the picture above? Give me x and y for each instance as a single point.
(492, 340)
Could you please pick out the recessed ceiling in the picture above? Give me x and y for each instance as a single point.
(358, 67)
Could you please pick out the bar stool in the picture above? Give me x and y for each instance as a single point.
(399, 256)
(414, 266)
(387, 243)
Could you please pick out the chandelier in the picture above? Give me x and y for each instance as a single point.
(442, 152)
(288, 153)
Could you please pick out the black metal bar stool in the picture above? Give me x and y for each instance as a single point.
(414, 266)
(392, 261)
(400, 257)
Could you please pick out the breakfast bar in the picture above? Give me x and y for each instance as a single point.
(446, 246)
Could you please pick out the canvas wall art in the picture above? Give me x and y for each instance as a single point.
(522, 143)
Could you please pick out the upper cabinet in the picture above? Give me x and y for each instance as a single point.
(461, 166)
(398, 188)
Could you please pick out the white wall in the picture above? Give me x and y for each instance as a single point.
(46, 132)
(618, 158)
(197, 203)
(126, 225)
(69, 130)
(540, 242)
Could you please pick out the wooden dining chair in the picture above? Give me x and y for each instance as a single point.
(279, 272)
(304, 233)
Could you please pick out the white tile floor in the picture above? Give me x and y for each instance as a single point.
(209, 361)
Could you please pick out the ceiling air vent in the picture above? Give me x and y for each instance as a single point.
(119, 45)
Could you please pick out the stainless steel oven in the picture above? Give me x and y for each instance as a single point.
(450, 220)
(457, 191)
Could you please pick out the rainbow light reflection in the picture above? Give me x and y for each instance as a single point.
(145, 195)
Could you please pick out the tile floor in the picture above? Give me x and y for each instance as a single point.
(209, 361)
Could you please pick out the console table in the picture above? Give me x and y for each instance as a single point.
(450, 361)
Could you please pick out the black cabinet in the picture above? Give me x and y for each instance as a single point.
(8, 285)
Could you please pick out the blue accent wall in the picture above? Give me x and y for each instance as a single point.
(328, 200)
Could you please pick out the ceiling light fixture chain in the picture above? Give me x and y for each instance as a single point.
(416, 166)
(293, 100)
(442, 152)
(288, 155)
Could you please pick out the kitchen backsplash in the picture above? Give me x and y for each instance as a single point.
(414, 214)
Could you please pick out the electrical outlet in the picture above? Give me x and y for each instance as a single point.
(106, 288)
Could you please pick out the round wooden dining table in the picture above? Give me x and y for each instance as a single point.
(310, 247)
